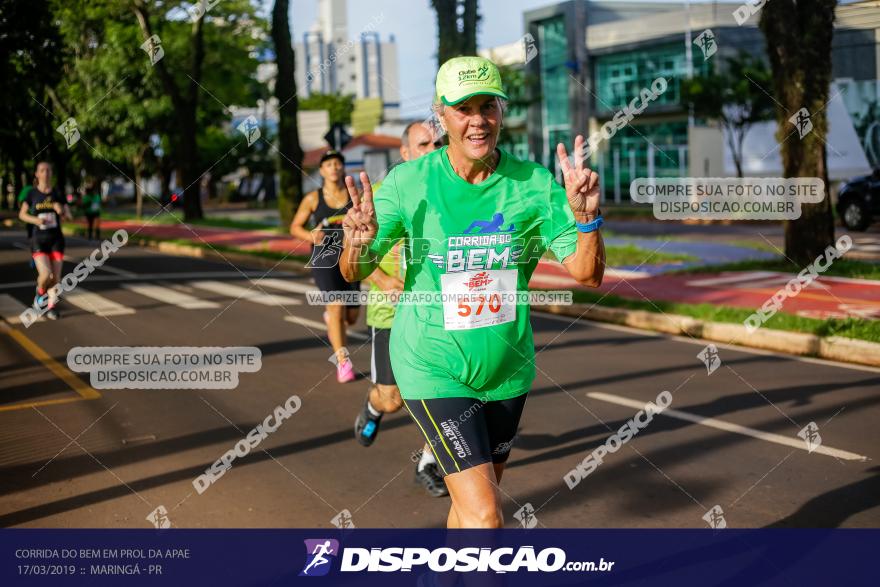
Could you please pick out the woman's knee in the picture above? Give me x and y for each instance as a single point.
(487, 515)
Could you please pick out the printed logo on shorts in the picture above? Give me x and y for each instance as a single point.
(458, 444)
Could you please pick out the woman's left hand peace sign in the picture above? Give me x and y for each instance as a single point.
(581, 183)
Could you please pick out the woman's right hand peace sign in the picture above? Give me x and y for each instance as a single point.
(360, 226)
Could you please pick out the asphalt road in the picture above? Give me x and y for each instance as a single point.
(71, 456)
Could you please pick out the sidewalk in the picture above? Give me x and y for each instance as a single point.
(828, 297)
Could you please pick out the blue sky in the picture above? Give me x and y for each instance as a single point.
(413, 24)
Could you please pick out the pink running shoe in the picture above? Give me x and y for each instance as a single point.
(345, 372)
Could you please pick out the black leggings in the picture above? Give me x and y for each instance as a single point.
(90, 219)
(465, 432)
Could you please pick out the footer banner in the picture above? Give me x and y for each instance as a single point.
(796, 557)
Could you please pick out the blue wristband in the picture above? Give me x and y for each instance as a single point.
(590, 226)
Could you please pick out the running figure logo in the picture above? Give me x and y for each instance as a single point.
(811, 436)
(319, 554)
(489, 226)
(526, 516)
(801, 121)
(715, 518)
(710, 358)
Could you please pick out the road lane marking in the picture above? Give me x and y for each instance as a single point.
(59, 370)
(11, 309)
(115, 271)
(250, 294)
(729, 427)
(321, 326)
(287, 285)
(96, 303)
(170, 296)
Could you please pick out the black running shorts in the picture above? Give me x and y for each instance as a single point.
(52, 246)
(380, 366)
(329, 279)
(465, 432)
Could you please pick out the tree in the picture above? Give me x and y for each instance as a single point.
(290, 154)
(30, 50)
(117, 105)
(798, 35)
(457, 22)
(185, 100)
(338, 107)
(736, 96)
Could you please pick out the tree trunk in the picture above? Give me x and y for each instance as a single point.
(8, 195)
(290, 154)
(19, 180)
(137, 165)
(734, 142)
(448, 36)
(185, 108)
(798, 35)
(470, 19)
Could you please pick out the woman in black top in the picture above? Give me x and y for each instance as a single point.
(324, 209)
(44, 207)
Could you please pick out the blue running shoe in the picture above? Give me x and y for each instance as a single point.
(366, 426)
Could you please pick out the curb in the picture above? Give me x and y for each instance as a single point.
(832, 348)
(224, 256)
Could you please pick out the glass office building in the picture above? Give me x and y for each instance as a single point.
(594, 58)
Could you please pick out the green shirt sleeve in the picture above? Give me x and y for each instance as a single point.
(558, 229)
(389, 216)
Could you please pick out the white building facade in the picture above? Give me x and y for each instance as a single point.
(329, 61)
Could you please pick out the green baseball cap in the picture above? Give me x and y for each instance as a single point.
(463, 77)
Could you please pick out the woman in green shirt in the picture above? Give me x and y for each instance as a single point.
(477, 221)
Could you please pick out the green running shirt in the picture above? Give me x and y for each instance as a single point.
(380, 311)
(479, 240)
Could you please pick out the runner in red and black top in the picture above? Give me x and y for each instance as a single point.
(324, 209)
(44, 207)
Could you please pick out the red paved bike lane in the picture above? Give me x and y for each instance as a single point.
(825, 297)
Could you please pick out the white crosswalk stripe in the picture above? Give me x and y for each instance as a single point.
(314, 324)
(251, 294)
(11, 308)
(170, 296)
(287, 285)
(96, 303)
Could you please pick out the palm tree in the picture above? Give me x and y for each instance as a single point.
(457, 34)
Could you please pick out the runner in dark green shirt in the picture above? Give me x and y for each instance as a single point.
(91, 207)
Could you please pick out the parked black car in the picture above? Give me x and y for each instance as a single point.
(858, 202)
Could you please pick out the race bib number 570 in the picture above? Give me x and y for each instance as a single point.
(475, 299)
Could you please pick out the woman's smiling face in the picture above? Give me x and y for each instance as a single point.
(473, 126)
